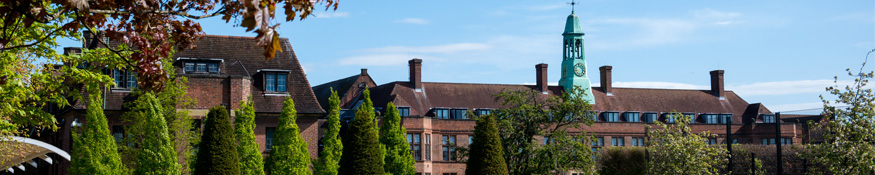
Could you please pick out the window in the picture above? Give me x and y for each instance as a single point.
(481, 112)
(637, 141)
(710, 118)
(592, 115)
(690, 116)
(669, 117)
(442, 113)
(734, 141)
(598, 142)
(547, 140)
(427, 146)
(268, 137)
(650, 117)
(470, 139)
(771, 141)
(415, 145)
(404, 111)
(611, 116)
(459, 114)
(201, 67)
(617, 141)
(632, 116)
(118, 133)
(712, 141)
(449, 174)
(275, 81)
(449, 147)
(768, 118)
(125, 79)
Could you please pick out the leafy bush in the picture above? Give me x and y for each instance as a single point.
(623, 160)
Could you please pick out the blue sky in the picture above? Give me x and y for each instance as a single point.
(779, 53)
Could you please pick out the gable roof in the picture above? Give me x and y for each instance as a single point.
(323, 91)
(243, 58)
(473, 96)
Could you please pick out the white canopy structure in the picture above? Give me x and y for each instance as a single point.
(21, 150)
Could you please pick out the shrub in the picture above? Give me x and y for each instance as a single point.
(217, 154)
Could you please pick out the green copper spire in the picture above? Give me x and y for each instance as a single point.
(574, 69)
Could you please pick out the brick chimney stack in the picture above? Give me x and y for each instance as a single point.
(416, 73)
(606, 79)
(541, 74)
(364, 71)
(717, 83)
(91, 39)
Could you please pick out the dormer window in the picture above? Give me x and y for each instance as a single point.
(404, 111)
(611, 116)
(125, 79)
(275, 81)
(768, 118)
(481, 112)
(200, 65)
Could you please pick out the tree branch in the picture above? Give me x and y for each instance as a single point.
(166, 12)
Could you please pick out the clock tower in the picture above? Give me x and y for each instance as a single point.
(574, 70)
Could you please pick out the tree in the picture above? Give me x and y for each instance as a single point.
(152, 27)
(157, 154)
(94, 151)
(327, 164)
(848, 143)
(289, 154)
(526, 114)
(486, 155)
(251, 162)
(217, 154)
(361, 151)
(398, 158)
(673, 150)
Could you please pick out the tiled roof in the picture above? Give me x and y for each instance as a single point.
(242, 57)
(323, 91)
(472, 96)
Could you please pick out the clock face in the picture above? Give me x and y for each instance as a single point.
(579, 70)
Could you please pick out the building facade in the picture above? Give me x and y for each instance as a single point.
(222, 70)
(435, 113)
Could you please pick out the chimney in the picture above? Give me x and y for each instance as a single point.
(364, 71)
(717, 83)
(91, 39)
(416, 73)
(541, 73)
(606, 80)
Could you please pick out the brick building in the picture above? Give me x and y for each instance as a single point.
(222, 70)
(434, 113)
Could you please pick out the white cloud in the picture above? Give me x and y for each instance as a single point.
(446, 48)
(390, 59)
(798, 108)
(419, 21)
(708, 13)
(658, 85)
(754, 89)
(333, 15)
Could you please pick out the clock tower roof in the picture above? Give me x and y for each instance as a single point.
(572, 25)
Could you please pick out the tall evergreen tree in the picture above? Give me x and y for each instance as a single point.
(486, 154)
(94, 151)
(251, 162)
(361, 150)
(290, 154)
(156, 155)
(327, 164)
(398, 157)
(217, 154)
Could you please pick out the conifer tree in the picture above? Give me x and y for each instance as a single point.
(290, 154)
(94, 151)
(398, 157)
(361, 150)
(327, 164)
(156, 155)
(251, 162)
(486, 154)
(217, 154)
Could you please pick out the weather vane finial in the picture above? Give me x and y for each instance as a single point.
(572, 3)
